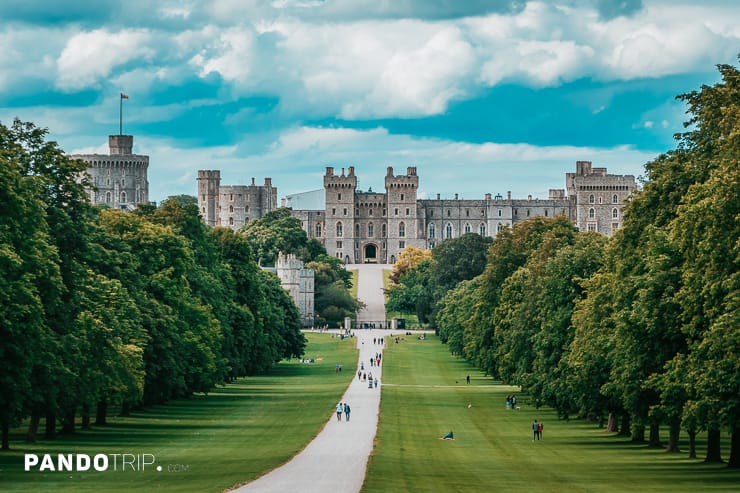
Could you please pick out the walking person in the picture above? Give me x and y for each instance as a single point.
(340, 408)
(346, 411)
(467, 378)
(540, 430)
(535, 430)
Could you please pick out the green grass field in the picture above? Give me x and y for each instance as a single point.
(425, 395)
(206, 443)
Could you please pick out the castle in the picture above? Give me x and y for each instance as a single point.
(365, 226)
(120, 177)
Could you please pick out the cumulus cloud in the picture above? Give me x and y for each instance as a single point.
(92, 55)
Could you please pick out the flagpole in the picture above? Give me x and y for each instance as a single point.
(120, 115)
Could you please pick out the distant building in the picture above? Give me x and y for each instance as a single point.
(232, 206)
(120, 177)
(299, 283)
(375, 227)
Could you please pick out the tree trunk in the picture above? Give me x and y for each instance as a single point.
(85, 425)
(654, 436)
(68, 422)
(101, 413)
(734, 448)
(673, 434)
(692, 442)
(638, 433)
(714, 452)
(33, 426)
(125, 409)
(611, 424)
(6, 434)
(50, 431)
(625, 427)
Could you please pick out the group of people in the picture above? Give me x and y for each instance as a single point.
(511, 402)
(343, 408)
(536, 430)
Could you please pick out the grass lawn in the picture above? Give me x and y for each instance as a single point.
(424, 396)
(206, 443)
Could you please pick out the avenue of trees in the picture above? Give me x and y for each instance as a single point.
(101, 309)
(640, 331)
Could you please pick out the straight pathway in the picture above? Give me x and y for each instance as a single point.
(336, 460)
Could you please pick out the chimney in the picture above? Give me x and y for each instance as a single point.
(268, 182)
(329, 171)
(455, 196)
(438, 197)
(508, 195)
(253, 181)
(389, 171)
(488, 196)
(351, 171)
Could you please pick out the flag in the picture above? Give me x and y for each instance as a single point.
(124, 96)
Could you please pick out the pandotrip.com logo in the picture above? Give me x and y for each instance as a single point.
(123, 462)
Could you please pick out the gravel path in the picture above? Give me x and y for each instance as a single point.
(335, 461)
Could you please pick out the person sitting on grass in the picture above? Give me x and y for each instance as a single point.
(448, 436)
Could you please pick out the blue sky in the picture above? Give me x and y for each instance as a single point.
(480, 96)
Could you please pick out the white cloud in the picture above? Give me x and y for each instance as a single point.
(91, 56)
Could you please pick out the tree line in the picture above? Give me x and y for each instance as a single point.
(639, 331)
(104, 309)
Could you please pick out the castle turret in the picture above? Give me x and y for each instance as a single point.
(120, 145)
(403, 220)
(340, 213)
(209, 182)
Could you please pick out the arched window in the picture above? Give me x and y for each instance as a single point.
(615, 213)
(591, 199)
(432, 231)
(448, 231)
(107, 197)
(482, 229)
(340, 232)
(402, 230)
(231, 208)
(370, 230)
(467, 228)
(499, 226)
(231, 221)
(123, 197)
(318, 230)
(591, 213)
(615, 199)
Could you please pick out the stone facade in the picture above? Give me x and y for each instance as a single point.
(233, 206)
(299, 282)
(120, 177)
(365, 226)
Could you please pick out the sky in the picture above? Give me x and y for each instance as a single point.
(481, 96)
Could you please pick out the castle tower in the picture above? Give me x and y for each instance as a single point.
(120, 178)
(403, 218)
(209, 183)
(340, 214)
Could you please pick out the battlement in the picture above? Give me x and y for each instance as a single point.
(340, 181)
(409, 180)
(120, 144)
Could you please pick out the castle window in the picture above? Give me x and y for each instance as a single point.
(431, 213)
(204, 198)
(591, 199)
(615, 213)
(402, 230)
(401, 244)
(499, 226)
(448, 231)
(231, 196)
(345, 211)
(482, 229)
(407, 211)
(431, 245)
(516, 212)
(357, 211)
(528, 211)
(396, 212)
(615, 199)
(339, 196)
(204, 210)
(401, 197)
(382, 230)
(467, 228)
(231, 208)
(357, 230)
(592, 227)
(123, 197)
(318, 230)
(339, 230)
(601, 200)
(591, 213)
(333, 211)
(107, 181)
(231, 221)
(449, 212)
(467, 212)
(383, 212)
(370, 230)
(500, 212)
(545, 212)
(370, 212)
(107, 197)
(123, 182)
(432, 231)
